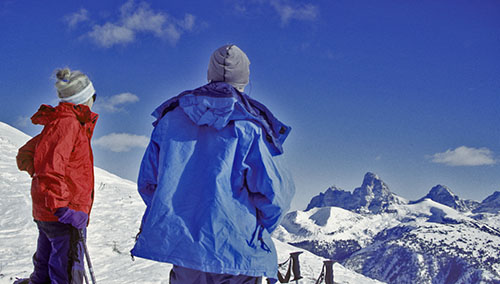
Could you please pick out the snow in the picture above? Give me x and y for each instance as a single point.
(12, 136)
(332, 223)
(114, 222)
(424, 207)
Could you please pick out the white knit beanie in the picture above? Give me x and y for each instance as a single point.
(73, 86)
(231, 65)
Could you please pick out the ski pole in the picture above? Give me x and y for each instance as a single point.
(85, 277)
(296, 266)
(87, 257)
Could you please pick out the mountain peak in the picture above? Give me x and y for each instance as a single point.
(372, 183)
(332, 189)
(443, 195)
(490, 204)
(333, 196)
(373, 196)
(371, 176)
(370, 179)
(495, 197)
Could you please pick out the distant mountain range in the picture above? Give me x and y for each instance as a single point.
(439, 238)
(375, 197)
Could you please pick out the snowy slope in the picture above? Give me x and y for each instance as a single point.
(114, 223)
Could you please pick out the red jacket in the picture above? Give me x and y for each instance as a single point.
(60, 160)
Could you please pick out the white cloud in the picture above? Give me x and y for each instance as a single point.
(124, 98)
(172, 33)
(77, 17)
(140, 18)
(116, 103)
(188, 22)
(110, 34)
(288, 12)
(465, 156)
(121, 142)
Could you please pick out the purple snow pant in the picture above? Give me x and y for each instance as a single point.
(59, 255)
(182, 275)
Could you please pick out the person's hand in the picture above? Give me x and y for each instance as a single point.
(77, 219)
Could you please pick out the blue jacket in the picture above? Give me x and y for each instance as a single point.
(214, 184)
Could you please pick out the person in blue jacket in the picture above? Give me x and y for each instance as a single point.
(213, 180)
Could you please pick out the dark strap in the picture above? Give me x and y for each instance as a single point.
(293, 266)
(321, 275)
(286, 278)
(326, 273)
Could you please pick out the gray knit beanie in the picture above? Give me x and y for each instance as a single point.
(231, 65)
(73, 86)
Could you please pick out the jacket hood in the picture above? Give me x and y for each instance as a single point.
(47, 113)
(217, 104)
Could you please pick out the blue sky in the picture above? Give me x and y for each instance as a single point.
(409, 90)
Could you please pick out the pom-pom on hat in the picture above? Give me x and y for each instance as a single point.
(231, 65)
(73, 86)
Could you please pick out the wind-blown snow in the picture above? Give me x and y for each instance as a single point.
(114, 222)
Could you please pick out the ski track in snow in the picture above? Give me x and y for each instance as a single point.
(114, 222)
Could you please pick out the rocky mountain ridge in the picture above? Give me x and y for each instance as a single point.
(374, 196)
(439, 238)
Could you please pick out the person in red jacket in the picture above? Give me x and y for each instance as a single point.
(60, 162)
